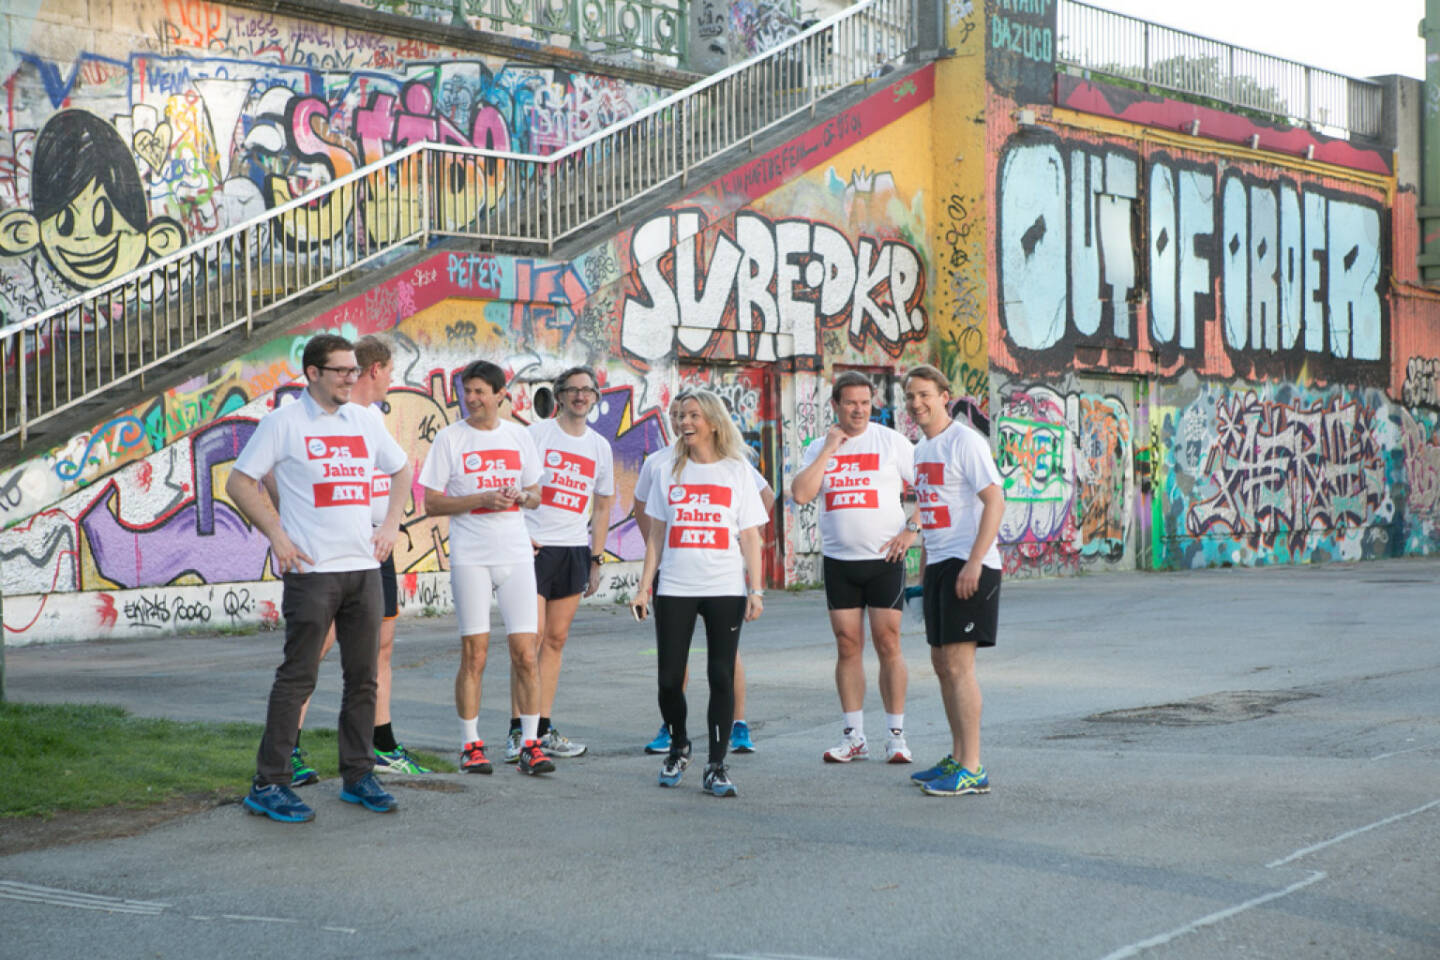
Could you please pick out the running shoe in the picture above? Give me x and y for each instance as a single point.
(556, 745)
(958, 782)
(533, 760)
(674, 766)
(922, 777)
(512, 746)
(661, 743)
(473, 759)
(277, 802)
(896, 750)
(849, 748)
(397, 761)
(301, 773)
(716, 781)
(740, 741)
(369, 794)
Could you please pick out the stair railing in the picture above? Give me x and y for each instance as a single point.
(124, 329)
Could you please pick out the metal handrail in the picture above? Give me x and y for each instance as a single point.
(121, 330)
(1106, 42)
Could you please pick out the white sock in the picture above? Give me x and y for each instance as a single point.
(529, 727)
(895, 721)
(469, 730)
(855, 721)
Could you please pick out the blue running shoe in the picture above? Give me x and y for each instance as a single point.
(740, 741)
(277, 802)
(369, 794)
(922, 777)
(958, 783)
(717, 781)
(674, 767)
(661, 743)
(301, 773)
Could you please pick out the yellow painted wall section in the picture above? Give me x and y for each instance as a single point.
(960, 285)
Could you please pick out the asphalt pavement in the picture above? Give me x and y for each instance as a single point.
(1218, 763)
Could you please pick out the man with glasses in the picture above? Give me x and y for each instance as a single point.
(324, 451)
(576, 486)
(376, 363)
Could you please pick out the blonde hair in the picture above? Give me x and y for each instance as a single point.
(729, 445)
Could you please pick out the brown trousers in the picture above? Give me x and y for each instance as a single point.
(311, 602)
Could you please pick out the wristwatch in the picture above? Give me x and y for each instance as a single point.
(758, 593)
(596, 558)
(912, 526)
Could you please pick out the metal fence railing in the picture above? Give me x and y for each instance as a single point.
(1105, 42)
(654, 30)
(117, 333)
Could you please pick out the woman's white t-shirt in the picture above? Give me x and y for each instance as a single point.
(465, 460)
(704, 510)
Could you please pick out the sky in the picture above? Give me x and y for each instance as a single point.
(1371, 38)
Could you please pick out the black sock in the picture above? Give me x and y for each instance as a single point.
(544, 727)
(514, 724)
(385, 739)
(297, 737)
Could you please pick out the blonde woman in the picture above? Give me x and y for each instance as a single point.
(703, 542)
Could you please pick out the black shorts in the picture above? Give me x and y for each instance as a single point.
(948, 619)
(389, 588)
(561, 572)
(850, 584)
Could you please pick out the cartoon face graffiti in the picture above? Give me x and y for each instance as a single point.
(89, 213)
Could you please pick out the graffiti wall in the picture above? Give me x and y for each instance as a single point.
(758, 283)
(210, 114)
(1238, 308)
(815, 255)
(725, 32)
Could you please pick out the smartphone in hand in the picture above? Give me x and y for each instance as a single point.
(639, 611)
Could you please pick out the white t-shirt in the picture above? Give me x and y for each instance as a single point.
(860, 507)
(465, 460)
(379, 483)
(658, 460)
(575, 469)
(951, 469)
(704, 511)
(323, 464)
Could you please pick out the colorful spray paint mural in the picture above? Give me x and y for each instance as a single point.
(818, 268)
(1246, 302)
(217, 113)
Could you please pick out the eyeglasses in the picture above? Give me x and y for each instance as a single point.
(346, 373)
(582, 391)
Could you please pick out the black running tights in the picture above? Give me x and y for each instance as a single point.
(674, 625)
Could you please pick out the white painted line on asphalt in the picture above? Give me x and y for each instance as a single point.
(30, 893)
(1396, 753)
(1305, 851)
(56, 897)
(765, 956)
(1136, 948)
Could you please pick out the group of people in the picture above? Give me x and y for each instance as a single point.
(529, 510)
